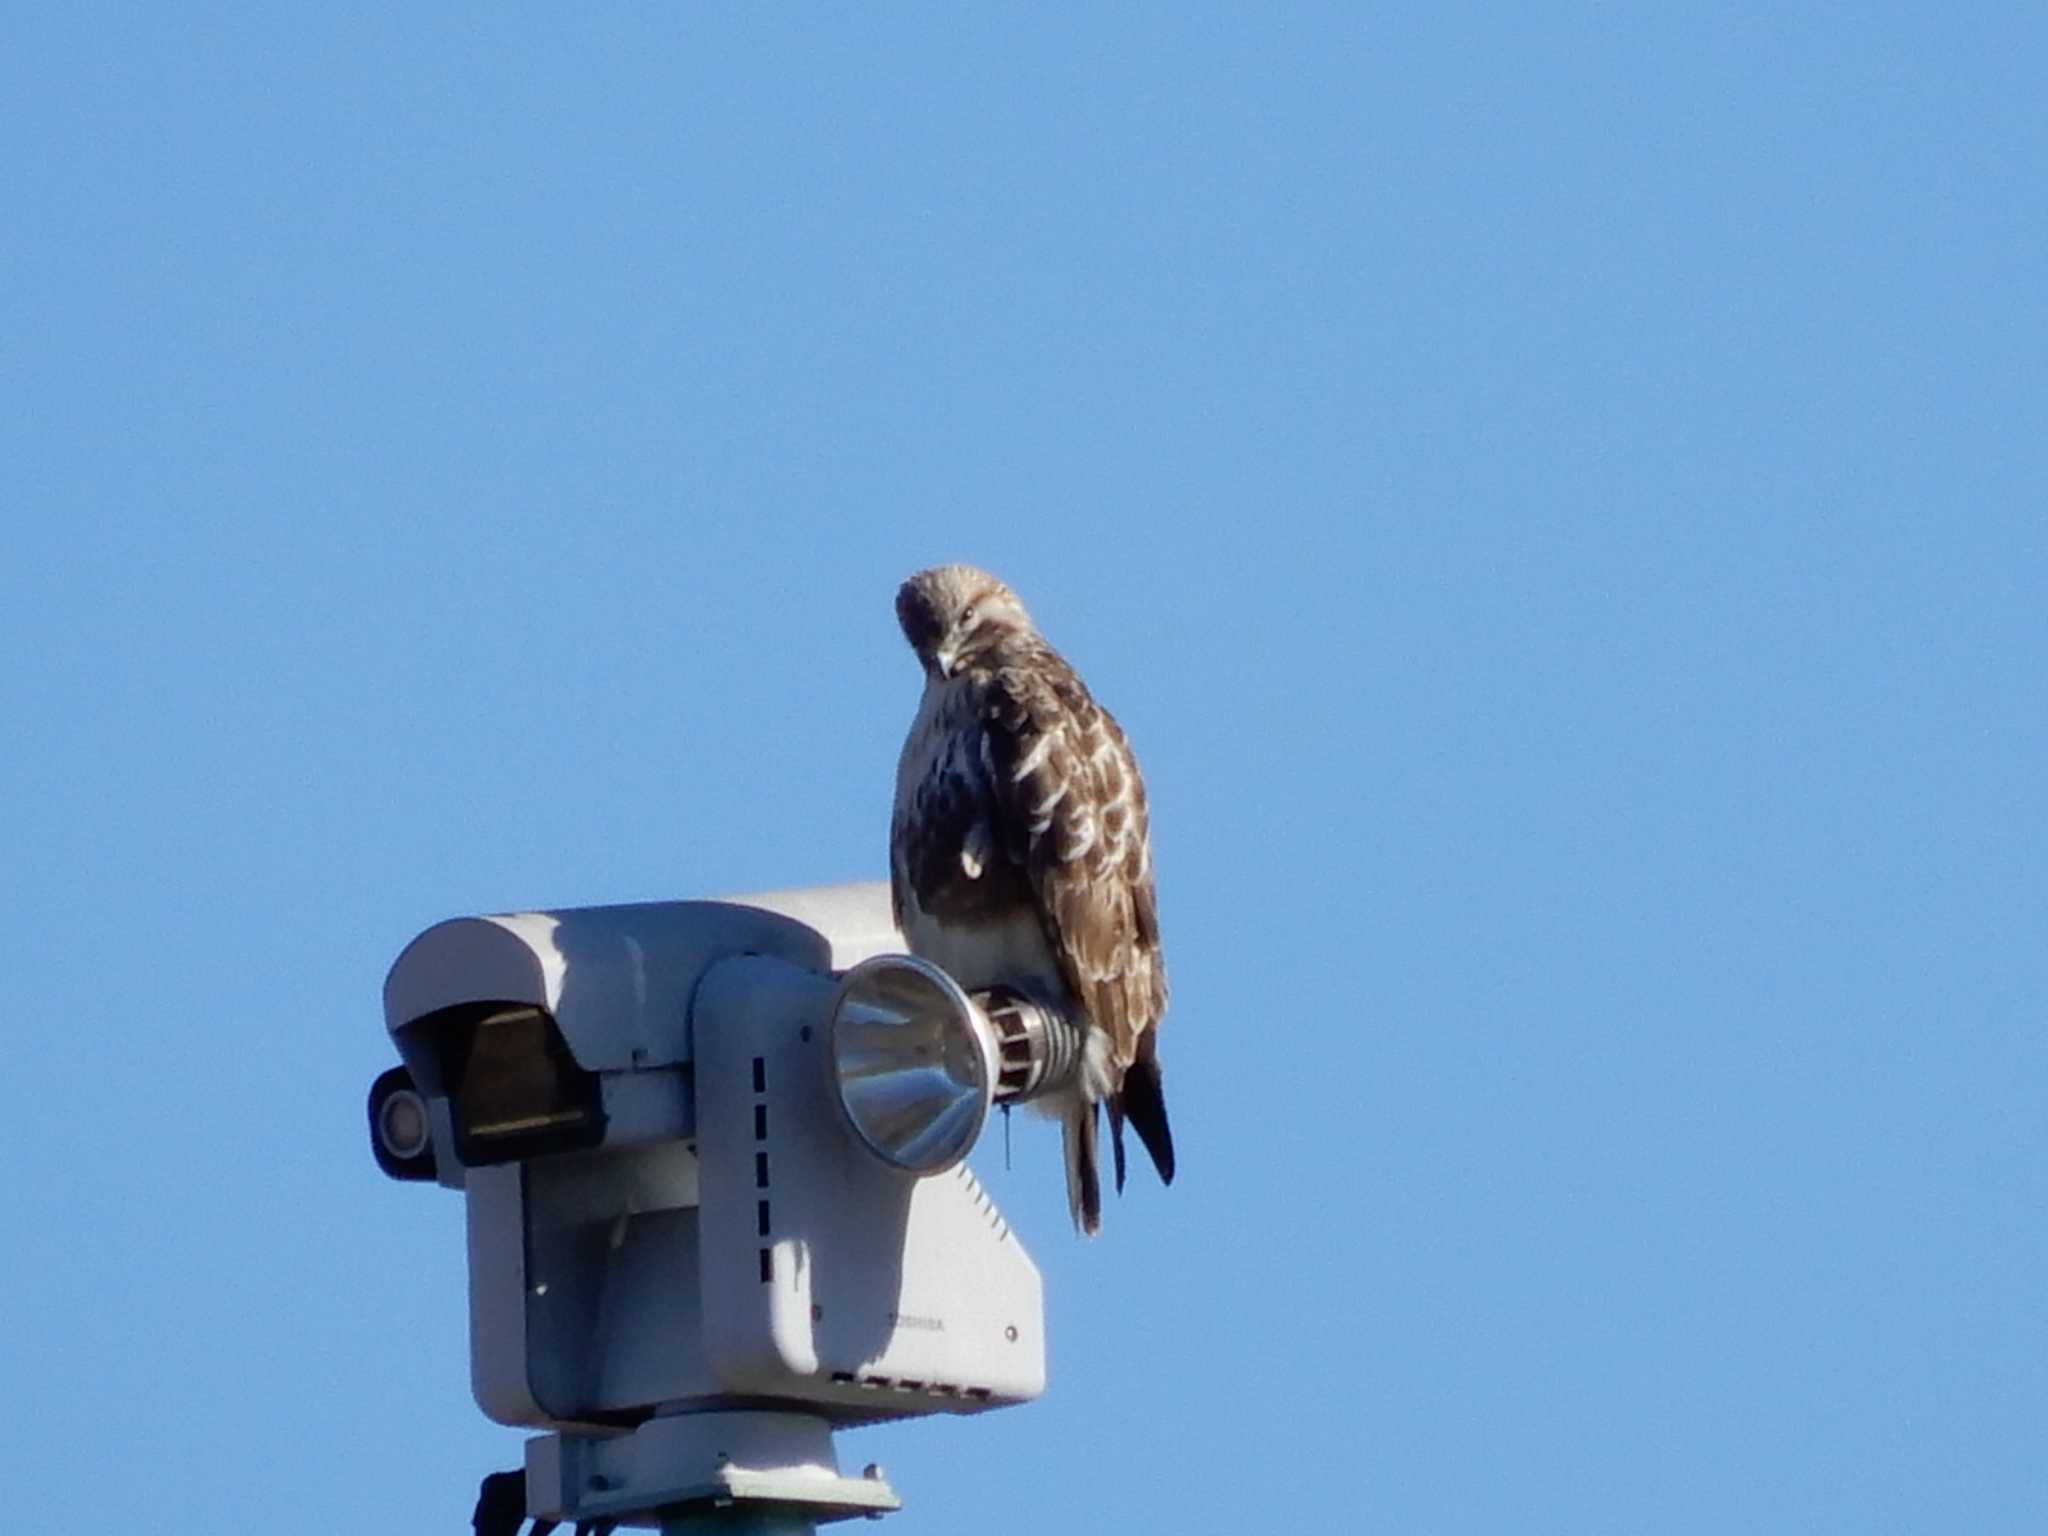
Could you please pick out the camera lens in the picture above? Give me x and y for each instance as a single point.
(402, 1124)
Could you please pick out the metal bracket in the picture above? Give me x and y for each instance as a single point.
(716, 1460)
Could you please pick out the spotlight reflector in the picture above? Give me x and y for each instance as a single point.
(913, 1062)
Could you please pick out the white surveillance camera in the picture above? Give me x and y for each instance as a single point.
(711, 1158)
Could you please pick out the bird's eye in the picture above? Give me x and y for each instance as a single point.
(967, 617)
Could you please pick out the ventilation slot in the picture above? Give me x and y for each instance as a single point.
(761, 1217)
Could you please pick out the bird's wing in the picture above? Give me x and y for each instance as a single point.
(942, 852)
(1069, 811)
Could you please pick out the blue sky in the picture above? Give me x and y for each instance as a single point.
(1555, 495)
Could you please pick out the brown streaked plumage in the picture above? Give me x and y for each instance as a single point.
(1020, 853)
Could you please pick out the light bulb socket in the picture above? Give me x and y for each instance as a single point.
(1038, 1048)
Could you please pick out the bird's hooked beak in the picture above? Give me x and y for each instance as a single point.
(945, 659)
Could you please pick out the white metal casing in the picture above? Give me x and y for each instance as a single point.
(734, 1458)
(618, 979)
(606, 1282)
(826, 1273)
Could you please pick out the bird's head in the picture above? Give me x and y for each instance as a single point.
(953, 615)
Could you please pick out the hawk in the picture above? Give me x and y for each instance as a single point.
(1020, 855)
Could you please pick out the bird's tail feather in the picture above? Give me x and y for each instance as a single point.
(1142, 1101)
(1084, 1186)
(1115, 1105)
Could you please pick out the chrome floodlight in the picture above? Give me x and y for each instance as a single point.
(914, 1062)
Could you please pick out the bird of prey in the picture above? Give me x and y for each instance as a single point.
(1020, 855)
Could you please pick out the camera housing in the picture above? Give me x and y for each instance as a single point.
(668, 1211)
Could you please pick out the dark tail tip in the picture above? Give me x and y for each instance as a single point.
(1143, 1102)
(1116, 1139)
(1091, 1185)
